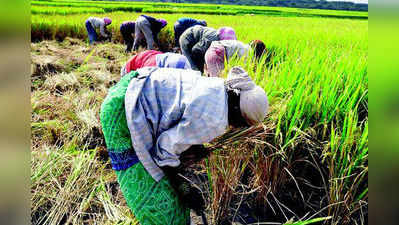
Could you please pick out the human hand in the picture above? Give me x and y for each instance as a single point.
(193, 155)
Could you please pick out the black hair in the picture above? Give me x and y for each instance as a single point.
(259, 47)
(234, 112)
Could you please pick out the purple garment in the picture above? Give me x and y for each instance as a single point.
(227, 33)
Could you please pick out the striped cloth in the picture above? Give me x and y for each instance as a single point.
(168, 110)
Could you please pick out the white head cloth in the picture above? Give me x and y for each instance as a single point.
(253, 100)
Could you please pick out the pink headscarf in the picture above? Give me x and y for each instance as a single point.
(227, 33)
(214, 60)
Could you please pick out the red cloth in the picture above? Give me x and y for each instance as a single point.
(143, 59)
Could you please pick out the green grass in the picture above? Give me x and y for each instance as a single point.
(315, 75)
(196, 8)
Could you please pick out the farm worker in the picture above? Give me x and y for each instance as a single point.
(127, 31)
(93, 23)
(154, 117)
(151, 58)
(183, 24)
(195, 41)
(259, 47)
(148, 27)
(219, 51)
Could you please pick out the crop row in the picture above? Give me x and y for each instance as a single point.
(191, 8)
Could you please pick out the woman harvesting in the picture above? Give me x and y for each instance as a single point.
(220, 51)
(154, 116)
(127, 29)
(147, 27)
(183, 24)
(196, 40)
(93, 23)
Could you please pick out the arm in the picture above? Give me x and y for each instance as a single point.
(187, 193)
(198, 53)
(103, 29)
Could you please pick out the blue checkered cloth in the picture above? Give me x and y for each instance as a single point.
(168, 110)
(172, 60)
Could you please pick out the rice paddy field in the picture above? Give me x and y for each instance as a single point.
(307, 163)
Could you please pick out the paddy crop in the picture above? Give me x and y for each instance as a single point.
(308, 159)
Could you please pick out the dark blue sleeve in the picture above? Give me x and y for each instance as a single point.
(187, 22)
(150, 19)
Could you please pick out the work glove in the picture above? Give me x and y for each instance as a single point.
(189, 195)
(193, 155)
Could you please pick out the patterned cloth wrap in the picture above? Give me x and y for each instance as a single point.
(214, 59)
(152, 203)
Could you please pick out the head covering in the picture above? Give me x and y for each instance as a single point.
(259, 47)
(214, 59)
(163, 22)
(227, 33)
(203, 22)
(253, 99)
(172, 60)
(107, 20)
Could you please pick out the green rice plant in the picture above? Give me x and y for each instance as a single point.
(196, 9)
(63, 11)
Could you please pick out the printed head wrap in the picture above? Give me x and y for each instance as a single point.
(253, 100)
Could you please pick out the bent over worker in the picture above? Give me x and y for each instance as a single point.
(150, 58)
(127, 30)
(93, 23)
(183, 24)
(147, 27)
(220, 51)
(153, 116)
(195, 41)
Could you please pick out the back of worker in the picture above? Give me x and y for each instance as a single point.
(93, 23)
(183, 24)
(152, 58)
(220, 51)
(127, 29)
(195, 41)
(148, 28)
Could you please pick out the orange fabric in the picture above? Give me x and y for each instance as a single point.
(143, 59)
